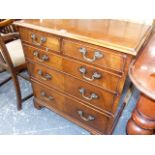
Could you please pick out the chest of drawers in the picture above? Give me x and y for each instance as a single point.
(78, 67)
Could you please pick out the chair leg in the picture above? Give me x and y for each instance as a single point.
(18, 92)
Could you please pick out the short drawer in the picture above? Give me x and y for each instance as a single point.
(92, 95)
(101, 57)
(91, 74)
(40, 39)
(51, 98)
(46, 76)
(43, 57)
(86, 115)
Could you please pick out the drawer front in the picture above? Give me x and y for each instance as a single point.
(92, 75)
(45, 58)
(90, 94)
(101, 57)
(40, 39)
(49, 97)
(47, 76)
(86, 115)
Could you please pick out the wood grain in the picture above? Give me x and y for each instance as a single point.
(52, 42)
(117, 41)
(123, 36)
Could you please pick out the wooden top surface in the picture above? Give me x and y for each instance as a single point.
(142, 72)
(119, 35)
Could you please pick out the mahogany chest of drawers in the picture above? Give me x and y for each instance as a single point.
(78, 67)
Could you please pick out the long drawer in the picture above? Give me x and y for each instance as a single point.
(101, 57)
(40, 39)
(77, 110)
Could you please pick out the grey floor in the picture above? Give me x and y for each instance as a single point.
(30, 121)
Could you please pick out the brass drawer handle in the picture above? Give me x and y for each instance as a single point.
(44, 77)
(88, 118)
(92, 96)
(97, 55)
(47, 98)
(34, 40)
(42, 59)
(95, 75)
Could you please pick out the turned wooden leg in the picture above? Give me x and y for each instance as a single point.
(142, 121)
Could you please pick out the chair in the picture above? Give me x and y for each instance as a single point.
(6, 29)
(12, 58)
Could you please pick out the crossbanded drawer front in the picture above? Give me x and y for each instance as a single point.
(86, 115)
(40, 56)
(101, 57)
(92, 95)
(47, 96)
(46, 76)
(91, 74)
(40, 39)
